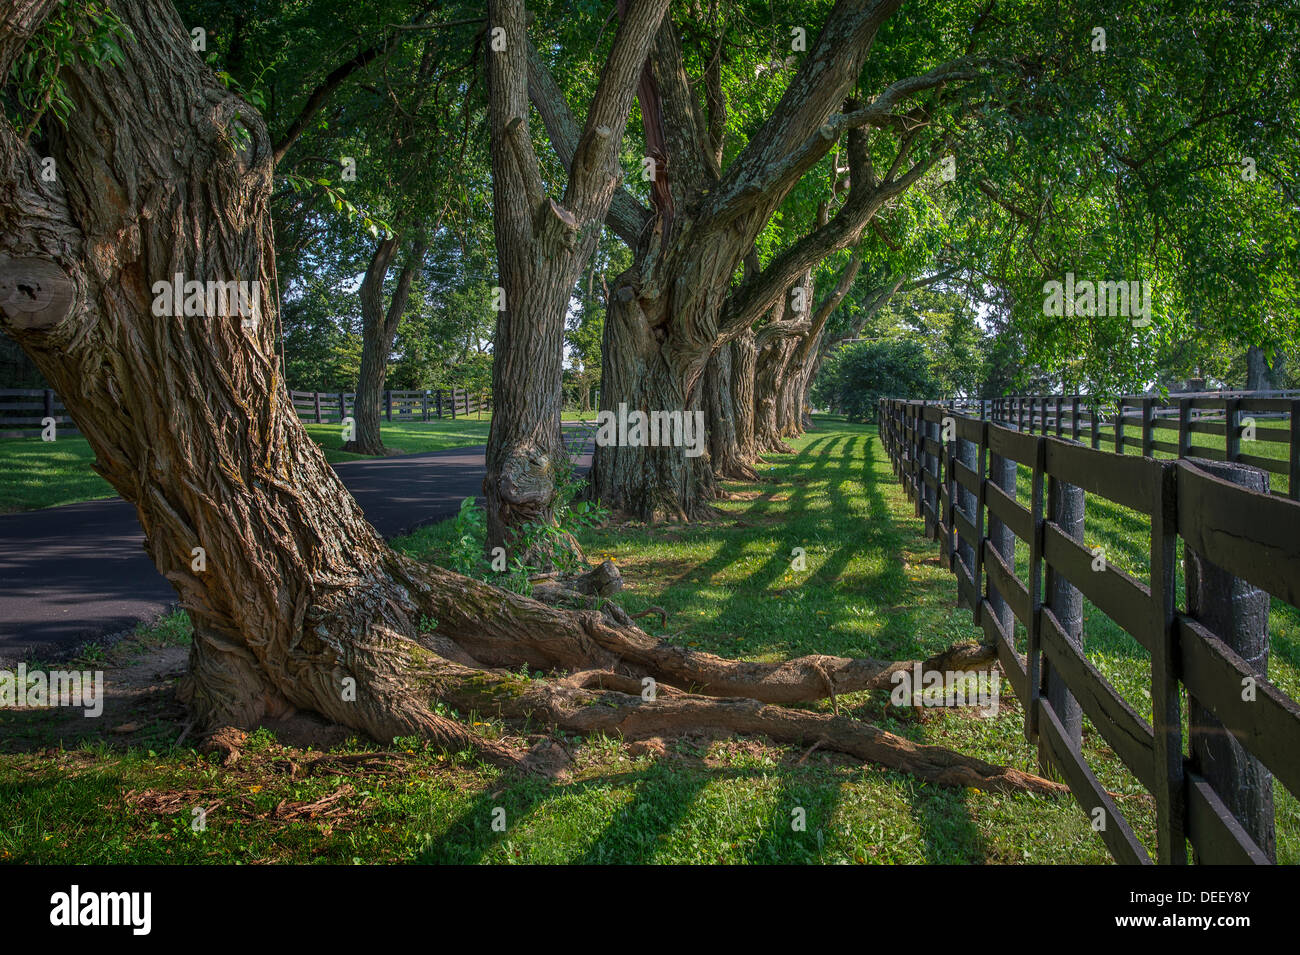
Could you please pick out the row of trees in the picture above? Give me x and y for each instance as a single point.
(808, 163)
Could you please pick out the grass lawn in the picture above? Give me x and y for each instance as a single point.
(36, 473)
(122, 790)
(407, 437)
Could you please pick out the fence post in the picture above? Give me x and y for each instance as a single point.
(1148, 427)
(1166, 719)
(1065, 505)
(49, 402)
(918, 457)
(1119, 426)
(1096, 424)
(1184, 426)
(343, 406)
(453, 403)
(388, 405)
(981, 517)
(968, 455)
(1056, 403)
(1002, 473)
(316, 402)
(1237, 612)
(1034, 644)
(438, 396)
(920, 460)
(1293, 473)
(948, 489)
(1074, 417)
(424, 404)
(923, 489)
(1231, 436)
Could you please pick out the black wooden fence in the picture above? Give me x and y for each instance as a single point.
(23, 410)
(30, 407)
(965, 488)
(320, 407)
(1172, 426)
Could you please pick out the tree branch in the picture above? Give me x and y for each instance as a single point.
(754, 297)
(316, 99)
(627, 217)
(594, 168)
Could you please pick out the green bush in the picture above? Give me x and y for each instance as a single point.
(855, 378)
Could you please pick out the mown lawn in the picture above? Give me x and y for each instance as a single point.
(872, 585)
(36, 473)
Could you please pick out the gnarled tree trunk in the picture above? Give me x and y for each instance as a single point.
(729, 391)
(542, 246)
(776, 343)
(378, 328)
(296, 601)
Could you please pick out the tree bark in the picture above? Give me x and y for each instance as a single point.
(542, 246)
(295, 600)
(1260, 376)
(777, 342)
(807, 357)
(675, 307)
(728, 386)
(378, 328)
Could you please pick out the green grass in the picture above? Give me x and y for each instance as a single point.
(872, 586)
(36, 473)
(407, 437)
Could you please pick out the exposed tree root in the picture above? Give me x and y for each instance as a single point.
(481, 629)
(505, 630)
(400, 674)
(602, 701)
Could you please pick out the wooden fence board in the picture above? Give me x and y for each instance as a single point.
(1009, 512)
(1116, 594)
(1268, 726)
(1008, 584)
(1218, 837)
(1124, 479)
(1251, 535)
(1128, 734)
(1090, 793)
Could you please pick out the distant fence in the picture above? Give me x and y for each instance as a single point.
(1171, 426)
(961, 470)
(31, 407)
(320, 407)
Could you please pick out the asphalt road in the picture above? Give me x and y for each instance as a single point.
(74, 573)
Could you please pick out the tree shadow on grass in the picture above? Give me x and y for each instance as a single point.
(667, 804)
(782, 842)
(947, 829)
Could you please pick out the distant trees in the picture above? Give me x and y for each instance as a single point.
(856, 377)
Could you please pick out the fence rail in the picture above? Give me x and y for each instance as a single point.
(1259, 420)
(961, 471)
(321, 407)
(32, 406)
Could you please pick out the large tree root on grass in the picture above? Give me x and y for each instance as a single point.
(510, 631)
(482, 629)
(585, 703)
